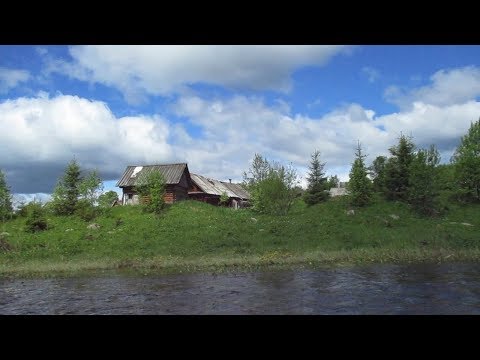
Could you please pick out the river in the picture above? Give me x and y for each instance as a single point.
(374, 289)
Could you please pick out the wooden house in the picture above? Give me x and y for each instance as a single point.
(209, 191)
(177, 179)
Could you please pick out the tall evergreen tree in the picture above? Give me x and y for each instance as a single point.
(66, 193)
(467, 163)
(423, 182)
(377, 172)
(359, 186)
(397, 169)
(5, 198)
(317, 182)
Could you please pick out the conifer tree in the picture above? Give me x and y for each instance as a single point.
(359, 186)
(317, 182)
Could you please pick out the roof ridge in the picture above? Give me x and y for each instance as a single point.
(184, 163)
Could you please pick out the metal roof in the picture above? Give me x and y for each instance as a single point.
(171, 172)
(215, 187)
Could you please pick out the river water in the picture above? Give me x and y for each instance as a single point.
(375, 289)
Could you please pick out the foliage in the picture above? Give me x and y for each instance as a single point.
(192, 233)
(377, 173)
(257, 172)
(467, 164)
(224, 199)
(86, 211)
(317, 183)
(91, 187)
(332, 182)
(152, 185)
(36, 220)
(66, 193)
(106, 200)
(5, 198)
(359, 186)
(423, 188)
(272, 187)
(397, 169)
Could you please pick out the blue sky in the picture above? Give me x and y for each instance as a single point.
(216, 106)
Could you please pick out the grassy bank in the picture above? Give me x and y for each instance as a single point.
(193, 236)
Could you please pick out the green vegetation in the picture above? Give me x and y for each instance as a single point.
(359, 186)
(191, 235)
(272, 187)
(397, 169)
(151, 185)
(414, 215)
(423, 190)
(5, 199)
(317, 182)
(467, 164)
(224, 199)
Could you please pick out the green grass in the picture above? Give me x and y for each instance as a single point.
(192, 236)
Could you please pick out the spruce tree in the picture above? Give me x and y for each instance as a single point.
(423, 185)
(317, 182)
(5, 198)
(377, 172)
(397, 169)
(67, 191)
(466, 160)
(359, 186)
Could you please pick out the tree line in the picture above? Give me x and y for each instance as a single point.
(410, 174)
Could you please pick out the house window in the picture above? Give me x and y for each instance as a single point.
(130, 196)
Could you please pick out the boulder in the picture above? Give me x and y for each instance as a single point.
(253, 219)
(351, 212)
(394, 217)
(93, 226)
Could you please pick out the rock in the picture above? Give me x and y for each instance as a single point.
(350, 212)
(93, 226)
(5, 234)
(467, 224)
(68, 230)
(260, 230)
(254, 220)
(394, 217)
(110, 232)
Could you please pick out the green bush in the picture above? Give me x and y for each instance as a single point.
(86, 211)
(36, 220)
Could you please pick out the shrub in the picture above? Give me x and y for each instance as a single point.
(36, 220)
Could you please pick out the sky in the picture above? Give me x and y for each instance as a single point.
(214, 107)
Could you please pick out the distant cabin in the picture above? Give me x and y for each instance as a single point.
(177, 179)
(182, 185)
(209, 191)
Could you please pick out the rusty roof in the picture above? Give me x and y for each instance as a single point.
(171, 172)
(216, 187)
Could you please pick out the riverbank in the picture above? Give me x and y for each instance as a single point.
(192, 236)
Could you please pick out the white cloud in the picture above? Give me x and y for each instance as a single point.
(448, 87)
(371, 73)
(161, 70)
(10, 78)
(41, 135)
(237, 128)
(44, 133)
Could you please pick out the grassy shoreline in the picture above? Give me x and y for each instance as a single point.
(38, 269)
(195, 237)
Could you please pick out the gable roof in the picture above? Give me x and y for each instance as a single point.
(216, 187)
(171, 172)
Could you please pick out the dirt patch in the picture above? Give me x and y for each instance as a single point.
(4, 245)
